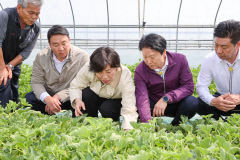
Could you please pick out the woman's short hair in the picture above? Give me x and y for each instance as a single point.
(102, 57)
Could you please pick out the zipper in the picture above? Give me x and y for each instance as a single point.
(164, 85)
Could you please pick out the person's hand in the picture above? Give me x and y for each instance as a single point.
(57, 96)
(222, 103)
(79, 104)
(4, 76)
(9, 72)
(159, 108)
(234, 98)
(52, 105)
(47, 109)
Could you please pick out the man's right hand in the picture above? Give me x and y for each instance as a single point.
(9, 72)
(79, 104)
(222, 103)
(4, 74)
(52, 105)
(159, 108)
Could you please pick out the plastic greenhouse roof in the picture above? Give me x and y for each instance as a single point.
(128, 12)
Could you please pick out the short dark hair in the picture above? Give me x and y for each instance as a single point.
(102, 57)
(153, 41)
(228, 29)
(55, 30)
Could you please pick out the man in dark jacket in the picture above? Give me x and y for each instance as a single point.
(18, 35)
(164, 82)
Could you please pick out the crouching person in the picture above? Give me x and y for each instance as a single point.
(223, 67)
(164, 82)
(106, 86)
(53, 70)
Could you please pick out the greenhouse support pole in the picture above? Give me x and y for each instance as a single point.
(40, 34)
(108, 23)
(139, 19)
(179, 11)
(215, 20)
(1, 6)
(74, 24)
(143, 21)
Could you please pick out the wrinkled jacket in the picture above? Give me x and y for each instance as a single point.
(46, 78)
(121, 87)
(178, 84)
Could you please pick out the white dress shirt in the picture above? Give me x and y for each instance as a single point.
(214, 68)
(59, 65)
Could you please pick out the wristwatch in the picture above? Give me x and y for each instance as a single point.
(11, 66)
(165, 99)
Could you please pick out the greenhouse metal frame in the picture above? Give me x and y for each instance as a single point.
(173, 44)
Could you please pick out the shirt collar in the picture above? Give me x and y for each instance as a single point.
(238, 56)
(220, 60)
(165, 65)
(57, 61)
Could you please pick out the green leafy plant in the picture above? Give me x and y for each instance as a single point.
(27, 134)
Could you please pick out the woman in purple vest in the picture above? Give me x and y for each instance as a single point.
(164, 82)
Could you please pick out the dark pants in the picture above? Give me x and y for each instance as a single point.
(205, 109)
(10, 90)
(38, 105)
(186, 107)
(109, 108)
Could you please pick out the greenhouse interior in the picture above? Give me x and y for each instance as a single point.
(187, 26)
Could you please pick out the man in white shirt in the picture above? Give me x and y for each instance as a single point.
(53, 70)
(223, 67)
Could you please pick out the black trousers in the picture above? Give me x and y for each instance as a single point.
(38, 105)
(186, 107)
(205, 109)
(109, 108)
(10, 90)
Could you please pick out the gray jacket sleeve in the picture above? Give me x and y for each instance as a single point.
(26, 52)
(3, 26)
(37, 80)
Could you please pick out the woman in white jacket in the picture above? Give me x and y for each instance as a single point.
(106, 86)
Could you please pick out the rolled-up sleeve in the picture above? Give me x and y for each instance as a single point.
(128, 110)
(203, 81)
(80, 82)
